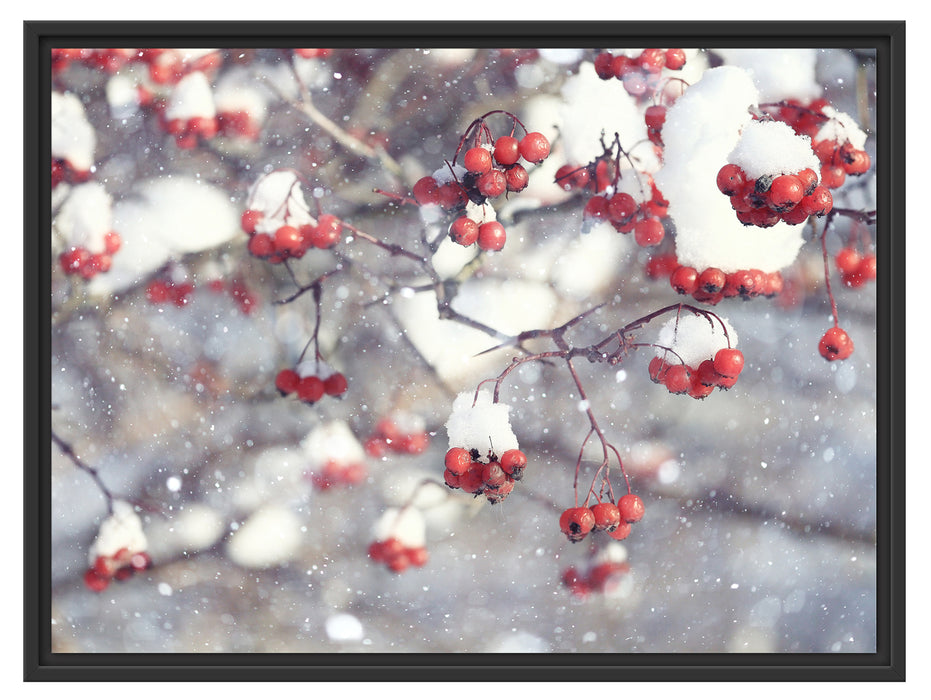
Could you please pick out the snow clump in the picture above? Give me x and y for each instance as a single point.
(695, 338)
(483, 426)
(121, 530)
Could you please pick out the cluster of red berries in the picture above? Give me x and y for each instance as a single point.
(310, 388)
(805, 119)
(835, 344)
(78, 260)
(239, 124)
(108, 60)
(169, 66)
(389, 436)
(163, 291)
(623, 212)
(188, 132)
(598, 579)
(64, 171)
(396, 555)
(492, 169)
(336, 473)
(855, 269)
(494, 479)
(639, 74)
(290, 241)
(613, 518)
(838, 160)
(313, 53)
(120, 566)
(769, 199)
(698, 382)
(712, 284)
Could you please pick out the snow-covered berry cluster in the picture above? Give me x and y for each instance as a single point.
(279, 223)
(613, 518)
(334, 456)
(402, 432)
(602, 574)
(839, 146)
(310, 381)
(695, 355)
(119, 550)
(490, 168)
(399, 539)
(479, 431)
(641, 73)
(190, 114)
(84, 223)
(772, 176)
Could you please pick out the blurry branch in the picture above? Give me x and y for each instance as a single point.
(94, 474)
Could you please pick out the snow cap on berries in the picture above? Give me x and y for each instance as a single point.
(314, 368)
(407, 525)
(694, 338)
(332, 442)
(121, 530)
(270, 193)
(483, 426)
(779, 74)
(445, 174)
(85, 217)
(191, 97)
(73, 137)
(237, 91)
(842, 128)
(271, 536)
(772, 148)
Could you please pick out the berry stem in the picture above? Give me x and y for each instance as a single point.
(69, 452)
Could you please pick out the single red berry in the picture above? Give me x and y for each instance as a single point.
(835, 344)
(621, 206)
(112, 243)
(867, 267)
(677, 379)
(655, 116)
(819, 202)
(856, 162)
(596, 208)
(464, 231)
(477, 160)
(94, 581)
(452, 480)
(603, 66)
(847, 260)
(649, 232)
(712, 280)
(785, 192)
(492, 184)
(684, 280)
(728, 362)
(507, 150)
(376, 447)
(458, 460)
(517, 178)
(569, 177)
(607, 516)
(310, 389)
(631, 508)
(809, 180)
(261, 245)
(731, 180)
(288, 239)
(399, 562)
(72, 261)
(534, 147)
(414, 444)
(426, 191)
(621, 532)
(491, 236)
(335, 384)
(657, 369)
(471, 481)
(706, 374)
(376, 551)
(287, 381)
(675, 59)
(698, 389)
(576, 523)
(832, 176)
(513, 463)
(418, 556)
(652, 60)
(328, 231)
(493, 475)
(621, 66)
(796, 215)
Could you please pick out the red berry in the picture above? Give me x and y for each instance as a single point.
(621, 206)
(458, 460)
(335, 384)
(684, 280)
(287, 381)
(477, 160)
(418, 556)
(620, 66)
(856, 162)
(452, 480)
(621, 532)
(711, 280)
(513, 463)
(832, 176)
(464, 231)
(261, 245)
(376, 551)
(499, 493)
(491, 236)
(607, 516)
(675, 59)
(517, 178)
(731, 180)
(288, 239)
(809, 180)
(631, 508)
(796, 215)
(576, 523)
(835, 344)
(677, 379)
(655, 116)
(604, 68)
(471, 481)
(649, 232)
(728, 362)
(569, 177)
(74, 260)
(328, 231)
(94, 581)
(426, 191)
(492, 184)
(706, 374)
(534, 147)
(399, 562)
(596, 208)
(847, 260)
(785, 192)
(310, 389)
(867, 267)
(652, 60)
(657, 370)
(451, 196)
(819, 202)
(493, 475)
(698, 389)
(112, 243)
(414, 444)
(507, 150)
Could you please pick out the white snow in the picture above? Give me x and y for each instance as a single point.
(407, 525)
(238, 91)
(86, 217)
(779, 74)
(484, 426)
(278, 195)
(269, 537)
(343, 627)
(193, 528)
(191, 97)
(121, 530)
(841, 127)
(694, 338)
(332, 441)
(772, 148)
(73, 136)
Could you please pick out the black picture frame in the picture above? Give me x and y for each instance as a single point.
(887, 664)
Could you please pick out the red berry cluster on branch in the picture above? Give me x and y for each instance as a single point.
(336, 473)
(804, 118)
(78, 260)
(290, 241)
(640, 74)
(396, 556)
(490, 168)
(188, 132)
(712, 284)
(309, 385)
(166, 291)
(602, 575)
(838, 160)
(769, 199)
(493, 478)
(613, 518)
(119, 567)
(401, 433)
(856, 269)
(698, 382)
(65, 171)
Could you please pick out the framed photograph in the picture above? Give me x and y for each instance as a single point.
(464, 351)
